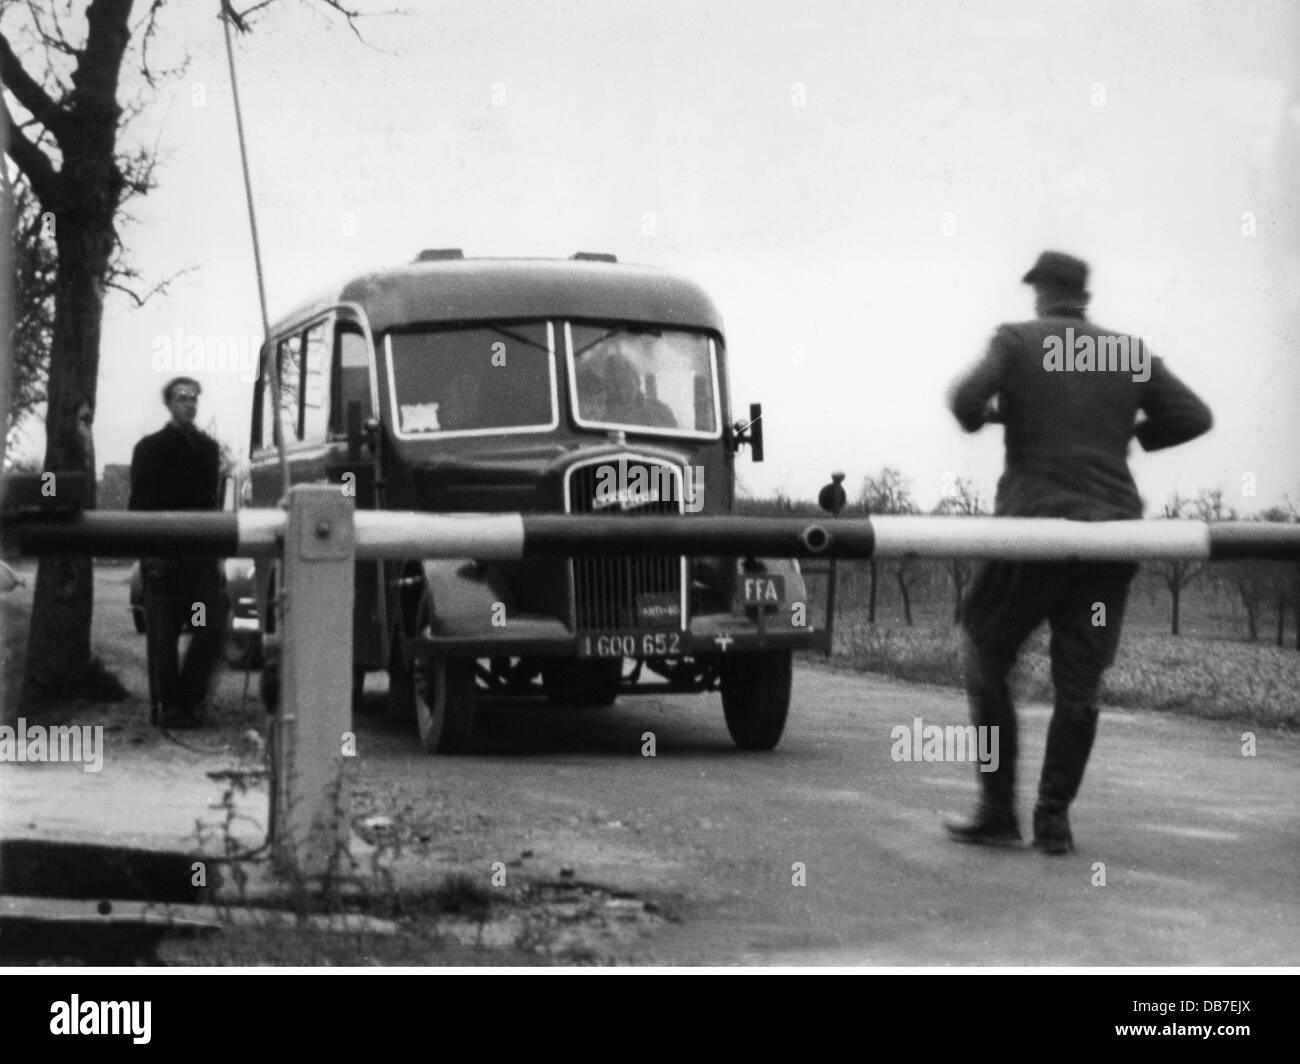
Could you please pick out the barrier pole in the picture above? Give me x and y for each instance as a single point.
(253, 533)
(313, 726)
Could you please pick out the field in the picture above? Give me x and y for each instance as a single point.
(1211, 670)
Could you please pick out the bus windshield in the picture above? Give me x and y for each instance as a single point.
(645, 380)
(476, 379)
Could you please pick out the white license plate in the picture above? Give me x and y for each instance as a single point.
(629, 644)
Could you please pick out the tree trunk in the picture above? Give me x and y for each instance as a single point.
(88, 193)
(873, 569)
(1248, 604)
(1175, 593)
(901, 577)
(58, 648)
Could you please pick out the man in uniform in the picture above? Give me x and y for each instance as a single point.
(1068, 394)
(178, 468)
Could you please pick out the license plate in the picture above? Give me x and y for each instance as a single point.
(762, 590)
(629, 644)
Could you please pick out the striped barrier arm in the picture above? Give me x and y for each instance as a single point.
(511, 536)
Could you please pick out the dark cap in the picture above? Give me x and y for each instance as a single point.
(1058, 270)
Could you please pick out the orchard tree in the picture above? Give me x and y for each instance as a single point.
(963, 500)
(889, 492)
(62, 68)
(1178, 574)
(1259, 584)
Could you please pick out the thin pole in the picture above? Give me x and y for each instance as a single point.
(269, 361)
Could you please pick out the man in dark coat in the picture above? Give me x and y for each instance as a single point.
(1070, 396)
(178, 468)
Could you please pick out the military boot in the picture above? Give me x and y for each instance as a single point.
(1069, 744)
(994, 823)
(1052, 829)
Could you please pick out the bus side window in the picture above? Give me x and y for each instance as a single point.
(315, 390)
(289, 359)
(263, 434)
(351, 377)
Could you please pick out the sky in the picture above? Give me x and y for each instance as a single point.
(859, 186)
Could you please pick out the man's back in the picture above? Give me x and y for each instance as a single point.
(1069, 394)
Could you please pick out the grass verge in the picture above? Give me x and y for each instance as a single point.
(1211, 679)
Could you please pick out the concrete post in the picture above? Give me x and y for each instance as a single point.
(310, 821)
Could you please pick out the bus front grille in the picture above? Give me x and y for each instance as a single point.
(619, 593)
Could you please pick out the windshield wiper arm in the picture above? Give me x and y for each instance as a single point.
(614, 332)
(509, 335)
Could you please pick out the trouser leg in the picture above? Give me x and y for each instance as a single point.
(162, 627)
(1070, 737)
(991, 707)
(1003, 608)
(1085, 638)
(201, 655)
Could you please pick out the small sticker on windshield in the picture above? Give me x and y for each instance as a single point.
(420, 417)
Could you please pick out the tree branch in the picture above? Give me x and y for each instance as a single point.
(159, 289)
(241, 20)
(56, 40)
(28, 92)
(34, 163)
(144, 31)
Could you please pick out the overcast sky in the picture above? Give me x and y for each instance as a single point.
(859, 185)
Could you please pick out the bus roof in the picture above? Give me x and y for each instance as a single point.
(480, 289)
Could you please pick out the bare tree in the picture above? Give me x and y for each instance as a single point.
(965, 500)
(889, 492)
(1276, 584)
(65, 126)
(1178, 574)
(1249, 580)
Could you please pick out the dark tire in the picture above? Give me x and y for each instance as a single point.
(401, 693)
(756, 697)
(443, 691)
(582, 683)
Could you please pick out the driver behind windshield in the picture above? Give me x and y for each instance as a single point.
(610, 391)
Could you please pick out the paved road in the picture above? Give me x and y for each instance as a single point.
(1198, 847)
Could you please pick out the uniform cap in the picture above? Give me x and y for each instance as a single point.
(1057, 269)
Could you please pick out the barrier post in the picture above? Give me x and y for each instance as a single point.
(310, 822)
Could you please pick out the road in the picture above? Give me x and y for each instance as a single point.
(1188, 851)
